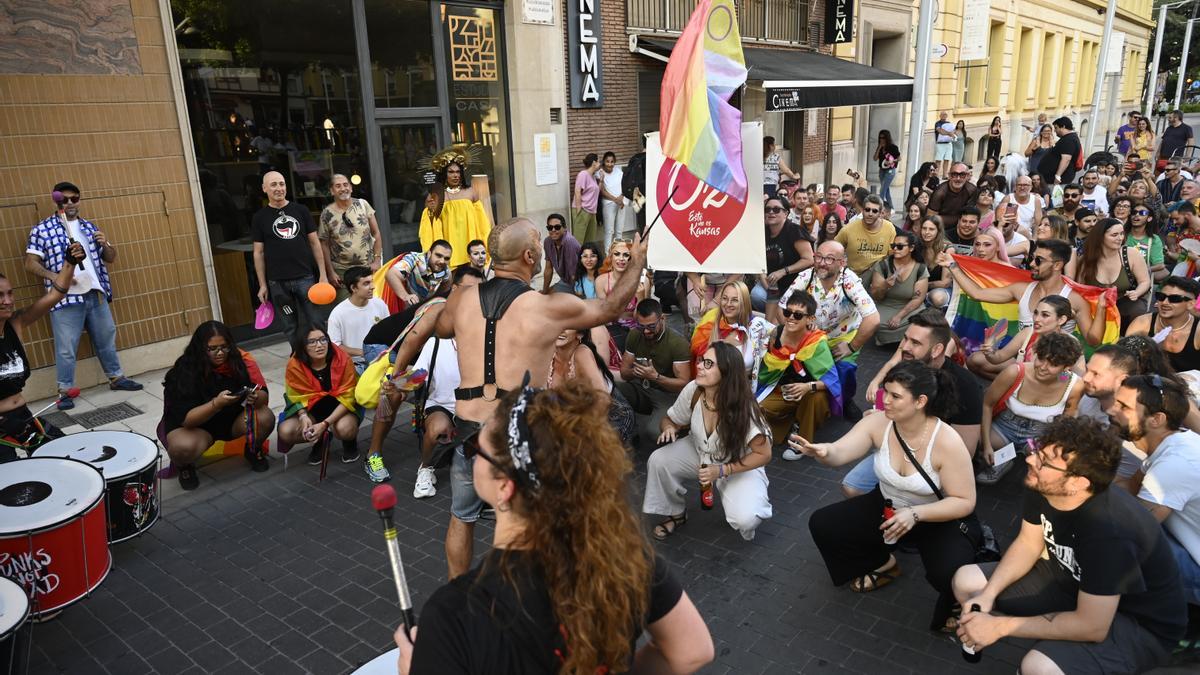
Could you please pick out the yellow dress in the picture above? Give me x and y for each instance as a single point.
(462, 221)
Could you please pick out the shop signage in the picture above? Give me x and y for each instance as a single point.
(839, 21)
(537, 12)
(583, 47)
(976, 29)
(701, 227)
(1116, 49)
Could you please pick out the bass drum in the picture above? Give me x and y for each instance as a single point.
(53, 530)
(14, 633)
(384, 664)
(129, 463)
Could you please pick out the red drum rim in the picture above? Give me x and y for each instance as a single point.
(14, 607)
(21, 469)
(67, 448)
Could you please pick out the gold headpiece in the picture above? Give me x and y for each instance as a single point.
(462, 154)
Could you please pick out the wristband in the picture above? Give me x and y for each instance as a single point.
(58, 288)
(916, 518)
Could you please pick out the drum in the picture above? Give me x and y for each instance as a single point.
(14, 642)
(129, 463)
(384, 664)
(53, 530)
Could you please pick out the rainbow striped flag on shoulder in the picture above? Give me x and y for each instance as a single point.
(969, 318)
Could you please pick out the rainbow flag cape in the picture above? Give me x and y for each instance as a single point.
(969, 318)
(811, 355)
(698, 128)
(702, 334)
(303, 390)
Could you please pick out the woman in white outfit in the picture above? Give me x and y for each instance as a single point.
(727, 447)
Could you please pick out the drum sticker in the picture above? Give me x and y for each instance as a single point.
(31, 570)
(142, 499)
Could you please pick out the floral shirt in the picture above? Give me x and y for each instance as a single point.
(841, 309)
(348, 233)
(421, 280)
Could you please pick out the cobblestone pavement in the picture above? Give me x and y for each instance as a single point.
(277, 573)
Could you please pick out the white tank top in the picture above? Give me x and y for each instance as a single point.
(906, 490)
(1040, 413)
(1025, 312)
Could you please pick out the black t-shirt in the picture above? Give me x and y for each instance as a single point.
(284, 236)
(1174, 138)
(781, 251)
(1111, 545)
(961, 244)
(180, 397)
(14, 366)
(1066, 145)
(889, 158)
(385, 331)
(478, 623)
(968, 395)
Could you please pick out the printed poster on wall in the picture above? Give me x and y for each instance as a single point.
(703, 229)
(976, 28)
(545, 159)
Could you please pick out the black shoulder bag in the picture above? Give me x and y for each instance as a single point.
(984, 542)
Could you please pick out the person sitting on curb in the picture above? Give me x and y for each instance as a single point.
(320, 381)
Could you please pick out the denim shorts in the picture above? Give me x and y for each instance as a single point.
(372, 352)
(465, 503)
(1017, 430)
(862, 477)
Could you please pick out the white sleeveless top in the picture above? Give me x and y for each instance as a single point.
(906, 490)
(1025, 312)
(1040, 413)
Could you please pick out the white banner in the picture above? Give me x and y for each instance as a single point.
(703, 229)
(976, 28)
(1116, 49)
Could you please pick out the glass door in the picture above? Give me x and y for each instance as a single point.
(407, 146)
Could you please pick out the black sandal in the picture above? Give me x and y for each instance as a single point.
(877, 578)
(668, 527)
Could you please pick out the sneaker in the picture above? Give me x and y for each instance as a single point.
(188, 478)
(124, 384)
(350, 452)
(315, 454)
(791, 455)
(65, 403)
(258, 460)
(425, 480)
(375, 469)
(990, 475)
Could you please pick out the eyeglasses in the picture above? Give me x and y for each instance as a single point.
(899, 247)
(827, 259)
(346, 220)
(317, 341)
(553, 228)
(649, 327)
(773, 209)
(1035, 449)
(1141, 212)
(219, 349)
(707, 364)
(789, 314)
(870, 210)
(1039, 260)
(74, 199)
(1173, 298)
(959, 174)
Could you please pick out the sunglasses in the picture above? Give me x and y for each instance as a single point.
(622, 240)
(1039, 260)
(648, 327)
(773, 209)
(899, 247)
(553, 228)
(71, 200)
(789, 314)
(1173, 298)
(707, 364)
(471, 450)
(1141, 212)
(1071, 195)
(870, 210)
(346, 219)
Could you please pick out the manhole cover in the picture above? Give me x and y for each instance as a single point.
(106, 415)
(59, 419)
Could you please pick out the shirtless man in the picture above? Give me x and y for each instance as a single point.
(1046, 269)
(525, 328)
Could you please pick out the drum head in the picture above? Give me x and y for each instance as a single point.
(41, 492)
(384, 664)
(116, 453)
(14, 606)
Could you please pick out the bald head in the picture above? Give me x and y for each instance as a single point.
(830, 260)
(275, 187)
(509, 241)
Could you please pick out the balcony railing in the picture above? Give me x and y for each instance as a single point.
(773, 20)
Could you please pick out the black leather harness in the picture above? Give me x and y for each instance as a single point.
(495, 297)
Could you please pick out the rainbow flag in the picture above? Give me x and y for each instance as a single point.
(698, 128)
(969, 318)
(811, 355)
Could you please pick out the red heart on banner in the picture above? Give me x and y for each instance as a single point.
(700, 216)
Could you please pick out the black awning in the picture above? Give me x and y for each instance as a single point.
(795, 79)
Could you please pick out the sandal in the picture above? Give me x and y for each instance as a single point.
(876, 579)
(667, 527)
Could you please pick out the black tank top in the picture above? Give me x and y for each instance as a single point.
(14, 367)
(1187, 358)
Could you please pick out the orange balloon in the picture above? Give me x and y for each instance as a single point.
(321, 294)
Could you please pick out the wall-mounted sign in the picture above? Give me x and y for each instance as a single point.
(537, 12)
(976, 26)
(583, 48)
(545, 159)
(939, 50)
(1116, 49)
(839, 21)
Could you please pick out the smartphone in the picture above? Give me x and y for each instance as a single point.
(1088, 204)
(642, 361)
(1010, 209)
(245, 391)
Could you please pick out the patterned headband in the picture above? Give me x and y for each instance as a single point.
(520, 437)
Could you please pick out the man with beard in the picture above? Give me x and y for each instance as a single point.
(1149, 410)
(926, 339)
(417, 275)
(951, 197)
(1050, 256)
(286, 251)
(1072, 195)
(866, 239)
(503, 317)
(1090, 575)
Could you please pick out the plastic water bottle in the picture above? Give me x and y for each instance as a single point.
(970, 655)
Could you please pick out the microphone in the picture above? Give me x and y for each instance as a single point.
(383, 498)
(73, 392)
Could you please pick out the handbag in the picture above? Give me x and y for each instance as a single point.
(370, 383)
(986, 549)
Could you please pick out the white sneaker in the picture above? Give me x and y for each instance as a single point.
(791, 455)
(425, 480)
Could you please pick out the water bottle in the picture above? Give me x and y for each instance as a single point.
(970, 655)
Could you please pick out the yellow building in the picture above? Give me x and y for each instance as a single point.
(1041, 58)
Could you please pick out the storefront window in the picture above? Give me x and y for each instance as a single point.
(402, 53)
(270, 85)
